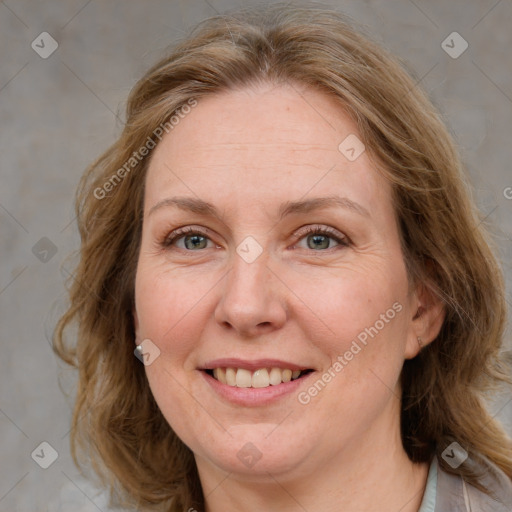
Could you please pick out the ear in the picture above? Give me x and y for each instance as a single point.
(428, 314)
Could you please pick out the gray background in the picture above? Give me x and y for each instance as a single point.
(58, 114)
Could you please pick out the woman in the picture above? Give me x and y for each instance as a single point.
(283, 234)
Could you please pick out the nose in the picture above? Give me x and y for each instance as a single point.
(253, 300)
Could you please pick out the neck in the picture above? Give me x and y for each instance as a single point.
(371, 475)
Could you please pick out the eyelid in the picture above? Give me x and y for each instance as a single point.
(177, 233)
(326, 230)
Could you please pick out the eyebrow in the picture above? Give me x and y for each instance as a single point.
(196, 205)
(320, 203)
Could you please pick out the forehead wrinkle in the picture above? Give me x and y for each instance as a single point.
(242, 146)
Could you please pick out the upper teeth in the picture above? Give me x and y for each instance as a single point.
(262, 378)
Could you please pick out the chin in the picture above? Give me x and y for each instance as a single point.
(249, 451)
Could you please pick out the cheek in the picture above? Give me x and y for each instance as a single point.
(170, 311)
(168, 308)
(359, 319)
(354, 301)
(360, 322)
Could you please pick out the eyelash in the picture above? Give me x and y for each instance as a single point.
(181, 232)
(342, 240)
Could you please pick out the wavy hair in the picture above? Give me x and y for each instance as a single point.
(116, 423)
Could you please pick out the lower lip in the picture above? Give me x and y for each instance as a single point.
(254, 397)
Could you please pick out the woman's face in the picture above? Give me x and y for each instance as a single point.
(267, 250)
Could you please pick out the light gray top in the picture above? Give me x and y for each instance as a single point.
(446, 492)
(428, 503)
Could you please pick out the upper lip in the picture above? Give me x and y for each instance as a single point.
(253, 365)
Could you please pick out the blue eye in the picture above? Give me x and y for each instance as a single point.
(190, 239)
(192, 242)
(316, 238)
(319, 241)
(319, 238)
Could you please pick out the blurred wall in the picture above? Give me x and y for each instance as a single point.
(61, 97)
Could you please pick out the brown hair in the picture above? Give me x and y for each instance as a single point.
(116, 421)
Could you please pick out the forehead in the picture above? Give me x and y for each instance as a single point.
(262, 144)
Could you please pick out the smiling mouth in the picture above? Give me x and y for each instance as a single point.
(261, 378)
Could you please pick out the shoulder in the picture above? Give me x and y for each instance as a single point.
(456, 495)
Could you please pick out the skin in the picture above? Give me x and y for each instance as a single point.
(246, 152)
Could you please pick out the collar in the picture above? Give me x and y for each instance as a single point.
(455, 495)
